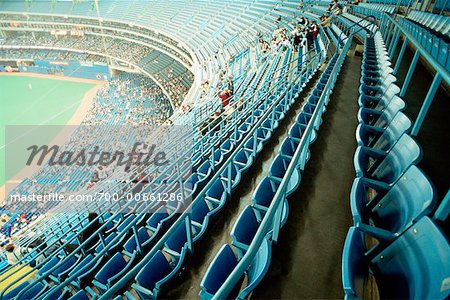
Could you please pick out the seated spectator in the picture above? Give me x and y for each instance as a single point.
(303, 22)
(15, 253)
(230, 85)
(225, 97)
(325, 21)
(337, 7)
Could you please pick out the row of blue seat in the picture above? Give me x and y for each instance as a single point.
(390, 2)
(390, 9)
(391, 198)
(148, 282)
(215, 157)
(249, 221)
(436, 46)
(437, 23)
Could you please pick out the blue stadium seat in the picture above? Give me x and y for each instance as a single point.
(83, 278)
(204, 174)
(16, 290)
(216, 195)
(152, 276)
(176, 243)
(131, 245)
(115, 267)
(264, 193)
(257, 269)
(391, 211)
(278, 169)
(33, 292)
(243, 160)
(387, 166)
(157, 219)
(382, 114)
(199, 218)
(62, 270)
(244, 229)
(414, 266)
(218, 271)
(383, 138)
(235, 176)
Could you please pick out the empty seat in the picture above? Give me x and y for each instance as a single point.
(216, 195)
(244, 229)
(199, 218)
(387, 166)
(383, 138)
(218, 271)
(115, 267)
(157, 219)
(414, 266)
(152, 276)
(131, 245)
(392, 210)
(278, 169)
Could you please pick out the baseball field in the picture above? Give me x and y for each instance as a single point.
(34, 99)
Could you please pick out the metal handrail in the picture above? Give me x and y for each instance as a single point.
(427, 55)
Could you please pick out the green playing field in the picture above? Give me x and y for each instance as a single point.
(28, 100)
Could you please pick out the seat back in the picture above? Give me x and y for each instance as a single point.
(66, 264)
(108, 240)
(408, 200)
(156, 269)
(199, 211)
(216, 190)
(245, 228)
(416, 265)
(220, 268)
(159, 215)
(111, 268)
(405, 153)
(33, 291)
(53, 261)
(278, 167)
(178, 238)
(83, 263)
(258, 268)
(264, 192)
(354, 264)
(399, 125)
(131, 245)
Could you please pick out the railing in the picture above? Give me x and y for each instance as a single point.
(273, 218)
(392, 32)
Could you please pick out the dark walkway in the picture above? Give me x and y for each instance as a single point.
(307, 261)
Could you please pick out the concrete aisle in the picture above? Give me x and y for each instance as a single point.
(306, 263)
